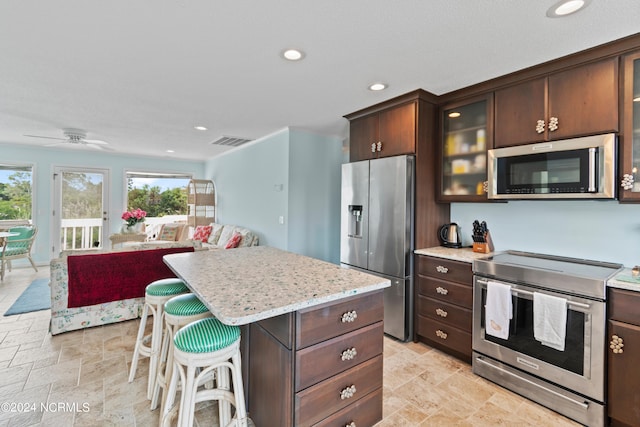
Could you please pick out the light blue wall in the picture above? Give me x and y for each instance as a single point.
(248, 181)
(314, 195)
(291, 174)
(598, 230)
(45, 159)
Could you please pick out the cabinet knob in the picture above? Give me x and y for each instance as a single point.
(379, 146)
(373, 147)
(351, 424)
(348, 354)
(616, 344)
(540, 126)
(349, 316)
(441, 290)
(440, 312)
(553, 124)
(348, 392)
(627, 181)
(440, 334)
(442, 269)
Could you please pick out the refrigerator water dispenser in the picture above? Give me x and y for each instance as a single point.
(355, 221)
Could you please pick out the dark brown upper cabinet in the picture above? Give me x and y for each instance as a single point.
(385, 133)
(629, 144)
(467, 134)
(575, 102)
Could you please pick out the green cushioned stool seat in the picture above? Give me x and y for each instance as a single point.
(166, 287)
(185, 305)
(205, 336)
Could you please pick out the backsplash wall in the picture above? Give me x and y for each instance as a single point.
(597, 230)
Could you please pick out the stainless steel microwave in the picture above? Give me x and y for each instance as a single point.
(579, 168)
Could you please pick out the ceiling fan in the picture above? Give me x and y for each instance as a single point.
(76, 137)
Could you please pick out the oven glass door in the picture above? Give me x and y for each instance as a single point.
(551, 172)
(575, 356)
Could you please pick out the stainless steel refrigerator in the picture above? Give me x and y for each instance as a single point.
(377, 231)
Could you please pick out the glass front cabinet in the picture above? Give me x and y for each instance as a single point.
(467, 134)
(630, 144)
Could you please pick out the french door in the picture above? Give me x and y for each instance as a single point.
(80, 206)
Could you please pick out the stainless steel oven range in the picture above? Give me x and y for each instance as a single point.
(568, 375)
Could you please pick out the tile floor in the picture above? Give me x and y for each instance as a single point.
(80, 378)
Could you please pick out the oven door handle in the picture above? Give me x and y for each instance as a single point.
(569, 302)
(583, 405)
(523, 292)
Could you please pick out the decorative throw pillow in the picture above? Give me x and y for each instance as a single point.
(234, 241)
(202, 233)
(169, 232)
(216, 231)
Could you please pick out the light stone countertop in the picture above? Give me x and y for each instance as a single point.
(462, 254)
(245, 285)
(629, 282)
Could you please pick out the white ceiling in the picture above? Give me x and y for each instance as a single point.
(141, 74)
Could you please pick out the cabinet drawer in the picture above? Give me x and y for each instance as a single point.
(445, 313)
(445, 335)
(330, 320)
(445, 269)
(623, 306)
(364, 412)
(443, 290)
(324, 360)
(321, 400)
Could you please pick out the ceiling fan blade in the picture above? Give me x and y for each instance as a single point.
(95, 141)
(45, 137)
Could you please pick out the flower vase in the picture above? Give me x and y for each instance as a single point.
(136, 228)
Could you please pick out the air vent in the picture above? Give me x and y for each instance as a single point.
(230, 141)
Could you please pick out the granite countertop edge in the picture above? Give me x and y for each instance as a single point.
(454, 254)
(620, 284)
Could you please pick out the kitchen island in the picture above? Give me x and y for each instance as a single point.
(312, 332)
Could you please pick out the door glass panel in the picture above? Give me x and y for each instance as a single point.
(636, 124)
(82, 211)
(464, 168)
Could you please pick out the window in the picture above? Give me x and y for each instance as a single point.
(162, 195)
(16, 183)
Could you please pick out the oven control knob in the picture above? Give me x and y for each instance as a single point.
(616, 344)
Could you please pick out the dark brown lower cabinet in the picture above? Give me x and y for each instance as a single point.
(623, 400)
(319, 366)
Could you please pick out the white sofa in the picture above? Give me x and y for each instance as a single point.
(65, 318)
(222, 233)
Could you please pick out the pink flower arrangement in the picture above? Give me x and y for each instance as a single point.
(134, 216)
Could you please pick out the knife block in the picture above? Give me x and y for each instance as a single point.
(484, 247)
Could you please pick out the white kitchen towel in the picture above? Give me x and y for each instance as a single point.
(549, 320)
(498, 310)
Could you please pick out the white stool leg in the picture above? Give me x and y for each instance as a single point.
(238, 390)
(162, 378)
(139, 346)
(156, 342)
(223, 383)
(168, 406)
(188, 405)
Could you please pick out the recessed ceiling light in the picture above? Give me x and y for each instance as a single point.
(454, 114)
(292, 54)
(170, 151)
(200, 127)
(566, 7)
(378, 86)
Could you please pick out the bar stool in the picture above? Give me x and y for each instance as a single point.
(179, 311)
(155, 295)
(207, 344)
